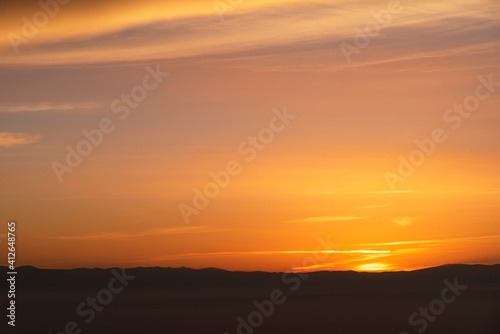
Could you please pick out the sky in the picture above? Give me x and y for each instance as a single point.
(251, 135)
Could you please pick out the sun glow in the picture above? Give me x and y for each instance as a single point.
(373, 267)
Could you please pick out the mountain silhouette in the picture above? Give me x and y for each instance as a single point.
(212, 300)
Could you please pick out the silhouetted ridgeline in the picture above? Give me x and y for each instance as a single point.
(181, 300)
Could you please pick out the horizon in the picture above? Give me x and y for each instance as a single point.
(269, 272)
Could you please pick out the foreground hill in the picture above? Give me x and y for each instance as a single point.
(448, 299)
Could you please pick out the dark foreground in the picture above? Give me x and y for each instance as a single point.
(164, 300)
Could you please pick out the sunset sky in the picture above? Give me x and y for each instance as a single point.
(324, 174)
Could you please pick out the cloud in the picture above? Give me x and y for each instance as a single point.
(404, 221)
(394, 192)
(361, 258)
(146, 233)
(437, 192)
(372, 206)
(176, 31)
(362, 251)
(46, 106)
(303, 252)
(433, 241)
(8, 139)
(323, 219)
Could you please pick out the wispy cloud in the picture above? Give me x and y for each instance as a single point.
(146, 233)
(433, 241)
(278, 252)
(438, 192)
(363, 257)
(323, 219)
(404, 221)
(192, 32)
(8, 139)
(362, 251)
(372, 206)
(394, 192)
(47, 106)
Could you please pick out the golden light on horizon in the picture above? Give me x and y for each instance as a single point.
(377, 267)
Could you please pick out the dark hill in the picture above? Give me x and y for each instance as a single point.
(183, 300)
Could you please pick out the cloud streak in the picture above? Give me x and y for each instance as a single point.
(404, 221)
(324, 219)
(282, 252)
(372, 206)
(193, 32)
(47, 106)
(433, 241)
(291, 252)
(146, 233)
(9, 139)
(362, 258)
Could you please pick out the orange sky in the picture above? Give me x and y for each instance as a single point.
(323, 175)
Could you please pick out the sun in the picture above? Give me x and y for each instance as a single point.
(373, 267)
